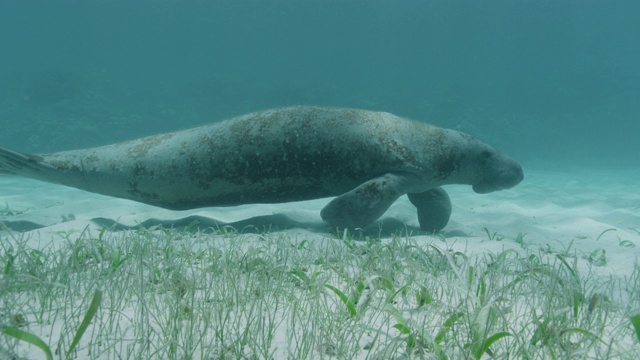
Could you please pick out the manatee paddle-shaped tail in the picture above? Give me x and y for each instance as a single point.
(34, 166)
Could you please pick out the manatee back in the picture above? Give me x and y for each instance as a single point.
(271, 156)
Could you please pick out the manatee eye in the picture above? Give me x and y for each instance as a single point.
(486, 154)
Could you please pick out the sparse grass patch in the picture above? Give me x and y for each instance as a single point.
(8, 211)
(219, 294)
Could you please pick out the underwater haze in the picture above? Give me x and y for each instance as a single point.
(550, 83)
(538, 259)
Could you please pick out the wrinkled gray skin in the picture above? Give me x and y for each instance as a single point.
(367, 159)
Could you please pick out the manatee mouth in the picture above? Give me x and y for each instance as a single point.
(505, 180)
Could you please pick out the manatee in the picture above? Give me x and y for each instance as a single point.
(366, 159)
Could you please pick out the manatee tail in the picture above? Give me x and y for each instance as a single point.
(14, 163)
(35, 167)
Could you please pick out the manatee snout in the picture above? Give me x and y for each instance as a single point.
(507, 174)
(513, 176)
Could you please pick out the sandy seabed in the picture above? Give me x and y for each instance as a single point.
(588, 213)
(550, 208)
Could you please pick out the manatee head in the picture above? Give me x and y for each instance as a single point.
(490, 170)
(480, 165)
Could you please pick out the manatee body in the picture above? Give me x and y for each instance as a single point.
(367, 159)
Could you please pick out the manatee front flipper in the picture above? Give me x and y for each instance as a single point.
(364, 204)
(434, 209)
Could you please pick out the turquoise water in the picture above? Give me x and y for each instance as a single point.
(550, 83)
(553, 84)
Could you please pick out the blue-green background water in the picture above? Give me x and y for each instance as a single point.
(551, 83)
